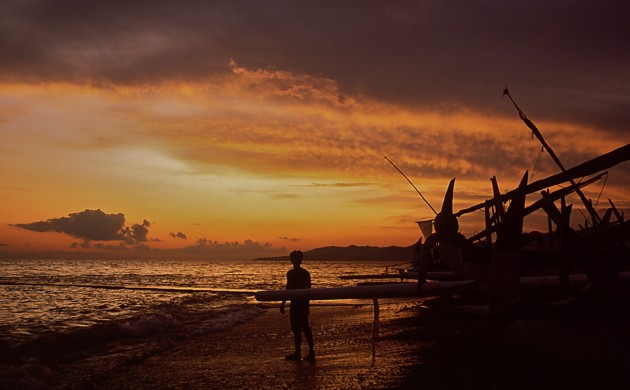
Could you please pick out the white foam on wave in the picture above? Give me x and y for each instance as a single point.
(230, 317)
(148, 325)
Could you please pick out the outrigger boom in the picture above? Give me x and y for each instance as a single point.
(587, 168)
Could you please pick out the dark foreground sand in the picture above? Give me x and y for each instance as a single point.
(248, 356)
(581, 345)
(251, 356)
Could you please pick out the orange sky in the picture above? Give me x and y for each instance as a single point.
(249, 159)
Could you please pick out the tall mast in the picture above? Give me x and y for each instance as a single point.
(536, 132)
(414, 187)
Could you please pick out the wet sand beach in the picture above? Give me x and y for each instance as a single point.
(250, 355)
(581, 345)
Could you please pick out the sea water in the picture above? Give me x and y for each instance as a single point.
(59, 306)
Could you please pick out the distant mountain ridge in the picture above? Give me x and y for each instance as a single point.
(355, 253)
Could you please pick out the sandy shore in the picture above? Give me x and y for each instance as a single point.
(251, 355)
(580, 345)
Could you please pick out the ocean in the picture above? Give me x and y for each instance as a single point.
(55, 307)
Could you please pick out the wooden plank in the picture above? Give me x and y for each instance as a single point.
(541, 203)
(370, 276)
(429, 288)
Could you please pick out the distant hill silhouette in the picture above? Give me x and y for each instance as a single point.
(355, 253)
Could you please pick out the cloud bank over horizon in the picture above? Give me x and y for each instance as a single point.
(93, 225)
(96, 228)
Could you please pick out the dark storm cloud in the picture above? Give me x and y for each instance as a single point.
(564, 60)
(92, 225)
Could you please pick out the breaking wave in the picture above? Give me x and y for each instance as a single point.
(174, 320)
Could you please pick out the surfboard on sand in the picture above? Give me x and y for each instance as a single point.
(429, 288)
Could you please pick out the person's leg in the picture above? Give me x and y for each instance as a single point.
(297, 336)
(308, 333)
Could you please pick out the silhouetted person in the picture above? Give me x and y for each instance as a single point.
(298, 277)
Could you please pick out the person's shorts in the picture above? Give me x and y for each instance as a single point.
(299, 313)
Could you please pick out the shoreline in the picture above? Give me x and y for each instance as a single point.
(583, 343)
(249, 355)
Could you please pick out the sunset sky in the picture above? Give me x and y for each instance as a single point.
(252, 128)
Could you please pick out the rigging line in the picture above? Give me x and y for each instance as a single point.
(583, 215)
(542, 149)
(601, 191)
(414, 187)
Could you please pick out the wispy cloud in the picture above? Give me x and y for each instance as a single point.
(341, 185)
(291, 239)
(205, 248)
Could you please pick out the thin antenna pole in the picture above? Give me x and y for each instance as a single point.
(414, 187)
